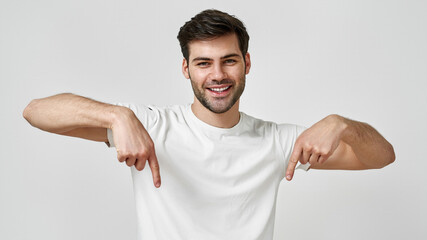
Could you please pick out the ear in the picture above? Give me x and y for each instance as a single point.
(185, 69)
(247, 62)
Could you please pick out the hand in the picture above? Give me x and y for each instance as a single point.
(316, 144)
(133, 143)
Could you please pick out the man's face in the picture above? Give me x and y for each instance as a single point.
(217, 71)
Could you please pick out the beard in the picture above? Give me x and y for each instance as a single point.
(219, 105)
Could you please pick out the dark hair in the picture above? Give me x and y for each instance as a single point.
(210, 24)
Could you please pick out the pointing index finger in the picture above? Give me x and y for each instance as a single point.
(296, 153)
(155, 169)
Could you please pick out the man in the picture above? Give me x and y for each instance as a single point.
(221, 168)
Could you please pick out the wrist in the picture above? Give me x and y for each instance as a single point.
(347, 128)
(341, 124)
(118, 115)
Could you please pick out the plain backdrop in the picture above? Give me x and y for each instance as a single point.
(363, 59)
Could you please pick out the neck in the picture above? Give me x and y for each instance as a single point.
(220, 120)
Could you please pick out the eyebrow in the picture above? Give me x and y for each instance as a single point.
(210, 59)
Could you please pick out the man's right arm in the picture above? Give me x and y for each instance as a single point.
(72, 115)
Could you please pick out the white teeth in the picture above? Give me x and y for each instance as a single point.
(219, 89)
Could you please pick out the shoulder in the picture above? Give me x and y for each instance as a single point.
(151, 115)
(257, 124)
(169, 113)
(169, 110)
(281, 128)
(290, 129)
(153, 109)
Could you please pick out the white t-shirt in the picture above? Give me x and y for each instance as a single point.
(217, 183)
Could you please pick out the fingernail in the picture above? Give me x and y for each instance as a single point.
(288, 177)
(157, 184)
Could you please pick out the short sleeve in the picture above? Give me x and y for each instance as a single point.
(147, 115)
(288, 134)
(306, 166)
(110, 138)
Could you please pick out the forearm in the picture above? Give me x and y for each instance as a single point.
(65, 112)
(370, 148)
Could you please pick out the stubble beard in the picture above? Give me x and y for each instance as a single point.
(222, 106)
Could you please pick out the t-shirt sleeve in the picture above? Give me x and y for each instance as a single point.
(147, 115)
(306, 166)
(288, 134)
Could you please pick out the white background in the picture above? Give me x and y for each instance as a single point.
(363, 59)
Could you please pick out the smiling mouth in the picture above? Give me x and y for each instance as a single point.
(219, 90)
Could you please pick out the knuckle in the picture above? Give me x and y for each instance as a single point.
(121, 158)
(139, 167)
(308, 147)
(315, 150)
(130, 162)
(133, 154)
(325, 152)
(155, 166)
(141, 155)
(150, 145)
(125, 154)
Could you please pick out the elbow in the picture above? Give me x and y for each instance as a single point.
(390, 156)
(28, 111)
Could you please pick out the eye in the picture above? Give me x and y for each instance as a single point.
(202, 64)
(230, 61)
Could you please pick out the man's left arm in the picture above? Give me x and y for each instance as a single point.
(336, 142)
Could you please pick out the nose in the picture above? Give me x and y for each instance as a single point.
(218, 72)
